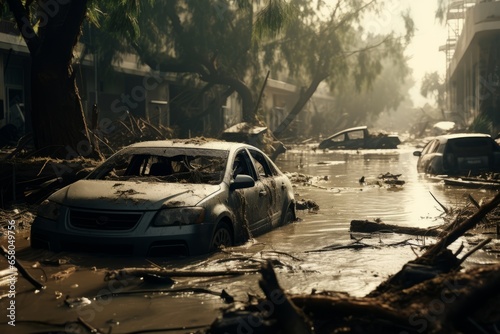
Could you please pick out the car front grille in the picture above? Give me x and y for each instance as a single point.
(105, 221)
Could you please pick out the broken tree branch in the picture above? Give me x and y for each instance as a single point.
(139, 272)
(437, 259)
(476, 248)
(22, 270)
(441, 205)
(460, 229)
(289, 317)
(223, 294)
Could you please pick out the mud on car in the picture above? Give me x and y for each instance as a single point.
(164, 198)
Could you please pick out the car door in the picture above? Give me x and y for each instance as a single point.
(426, 156)
(252, 203)
(270, 179)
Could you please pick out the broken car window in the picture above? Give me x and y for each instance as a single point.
(242, 165)
(165, 165)
(261, 164)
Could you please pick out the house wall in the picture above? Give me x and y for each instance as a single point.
(130, 87)
(127, 88)
(280, 97)
(474, 71)
(232, 111)
(14, 82)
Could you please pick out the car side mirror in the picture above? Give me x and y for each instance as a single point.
(417, 153)
(242, 181)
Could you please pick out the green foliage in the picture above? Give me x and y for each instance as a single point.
(335, 47)
(274, 18)
(442, 10)
(482, 124)
(433, 85)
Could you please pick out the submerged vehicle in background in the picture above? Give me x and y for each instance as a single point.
(162, 198)
(460, 154)
(359, 138)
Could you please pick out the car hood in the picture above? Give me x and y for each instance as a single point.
(131, 195)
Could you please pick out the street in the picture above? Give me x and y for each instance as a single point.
(312, 254)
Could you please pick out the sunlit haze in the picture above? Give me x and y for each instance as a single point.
(424, 49)
(423, 52)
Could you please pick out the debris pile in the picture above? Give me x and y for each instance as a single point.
(30, 180)
(124, 132)
(430, 294)
(387, 180)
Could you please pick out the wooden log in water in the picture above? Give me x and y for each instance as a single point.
(365, 226)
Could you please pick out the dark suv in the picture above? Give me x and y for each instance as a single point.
(460, 154)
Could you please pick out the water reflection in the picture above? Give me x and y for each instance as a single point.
(342, 198)
(297, 250)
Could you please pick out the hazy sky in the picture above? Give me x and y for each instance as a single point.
(424, 48)
(424, 51)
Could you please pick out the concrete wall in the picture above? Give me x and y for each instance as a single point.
(474, 72)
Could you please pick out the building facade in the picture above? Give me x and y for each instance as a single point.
(473, 73)
(129, 88)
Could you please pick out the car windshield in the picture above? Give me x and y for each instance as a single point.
(173, 165)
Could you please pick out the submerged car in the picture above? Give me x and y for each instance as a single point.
(164, 198)
(460, 154)
(359, 138)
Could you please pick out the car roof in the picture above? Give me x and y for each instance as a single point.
(198, 142)
(463, 135)
(357, 128)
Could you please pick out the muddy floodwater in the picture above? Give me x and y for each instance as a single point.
(80, 294)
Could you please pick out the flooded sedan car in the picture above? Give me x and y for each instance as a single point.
(460, 154)
(359, 138)
(164, 198)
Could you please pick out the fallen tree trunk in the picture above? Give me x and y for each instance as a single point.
(365, 226)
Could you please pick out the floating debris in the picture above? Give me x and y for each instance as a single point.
(77, 302)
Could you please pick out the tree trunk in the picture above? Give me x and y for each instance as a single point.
(245, 94)
(299, 105)
(59, 128)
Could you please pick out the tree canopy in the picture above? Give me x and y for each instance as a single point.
(334, 47)
(433, 86)
(229, 45)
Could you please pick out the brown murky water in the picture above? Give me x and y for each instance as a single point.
(297, 250)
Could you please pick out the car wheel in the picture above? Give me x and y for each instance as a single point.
(289, 217)
(222, 237)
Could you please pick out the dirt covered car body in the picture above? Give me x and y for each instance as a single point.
(168, 197)
(460, 154)
(359, 138)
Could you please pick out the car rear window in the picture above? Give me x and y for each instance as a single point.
(471, 146)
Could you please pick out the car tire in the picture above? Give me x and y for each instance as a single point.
(222, 237)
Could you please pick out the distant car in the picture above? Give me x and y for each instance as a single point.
(460, 154)
(359, 138)
(164, 198)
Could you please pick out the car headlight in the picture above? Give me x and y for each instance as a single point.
(49, 210)
(179, 216)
